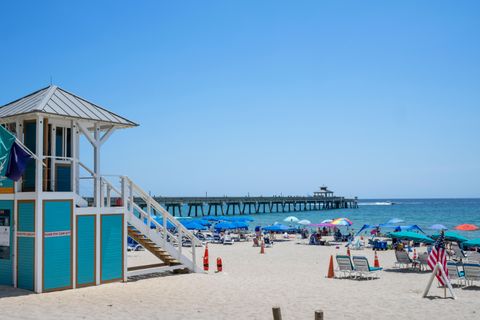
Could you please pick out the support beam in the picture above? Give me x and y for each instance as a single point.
(39, 207)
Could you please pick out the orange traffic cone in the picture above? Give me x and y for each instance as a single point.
(348, 251)
(330, 274)
(205, 254)
(205, 258)
(262, 248)
(205, 263)
(219, 264)
(376, 263)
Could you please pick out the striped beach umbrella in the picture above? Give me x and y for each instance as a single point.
(342, 222)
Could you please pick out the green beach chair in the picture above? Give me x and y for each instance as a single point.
(363, 268)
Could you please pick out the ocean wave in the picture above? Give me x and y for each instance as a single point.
(388, 203)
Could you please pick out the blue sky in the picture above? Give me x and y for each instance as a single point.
(372, 98)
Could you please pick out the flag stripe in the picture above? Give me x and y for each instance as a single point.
(438, 255)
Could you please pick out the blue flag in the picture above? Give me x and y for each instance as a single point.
(18, 162)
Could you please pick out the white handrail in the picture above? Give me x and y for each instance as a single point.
(128, 192)
(159, 208)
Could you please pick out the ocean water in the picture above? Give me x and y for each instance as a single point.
(422, 212)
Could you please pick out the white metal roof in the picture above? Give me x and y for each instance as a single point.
(56, 101)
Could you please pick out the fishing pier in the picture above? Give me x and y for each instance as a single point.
(201, 206)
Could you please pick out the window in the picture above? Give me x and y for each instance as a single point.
(63, 142)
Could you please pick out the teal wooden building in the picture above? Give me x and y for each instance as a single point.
(64, 225)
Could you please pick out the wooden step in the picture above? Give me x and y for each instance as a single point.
(152, 247)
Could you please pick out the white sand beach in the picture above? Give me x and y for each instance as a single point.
(289, 275)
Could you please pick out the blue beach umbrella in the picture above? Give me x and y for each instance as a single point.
(226, 225)
(194, 226)
(205, 223)
(437, 227)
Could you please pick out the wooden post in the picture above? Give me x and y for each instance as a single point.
(277, 314)
(318, 314)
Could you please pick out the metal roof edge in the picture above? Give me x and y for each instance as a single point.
(133, 124)
(28, 95)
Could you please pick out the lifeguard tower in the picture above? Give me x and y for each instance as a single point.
(63, 225)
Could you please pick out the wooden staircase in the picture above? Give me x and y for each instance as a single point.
(148, 227)
(149, 245)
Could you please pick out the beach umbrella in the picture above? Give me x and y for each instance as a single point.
(240, 224)
(471, 243)
(467, 227)
(409, 235)
(225, 225)
(291, 219)
(327, 221)
(395, 220)
(451, 236)
(192, 225)
(342, 222)
(304, 222)
(438, 227)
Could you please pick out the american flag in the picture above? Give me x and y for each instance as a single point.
(439, 254)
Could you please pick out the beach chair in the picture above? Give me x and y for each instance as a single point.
(217, 238)
(345, 266)
(363, 269)
(473, 257)
(134, 247)
(422, 261)
(268, 242)
(471, 273)
(454, 273)
(403, 259)
(227, 240)
(458, 253)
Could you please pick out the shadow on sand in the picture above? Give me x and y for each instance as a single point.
(8, 292)
(395, 270)
(152, 275)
